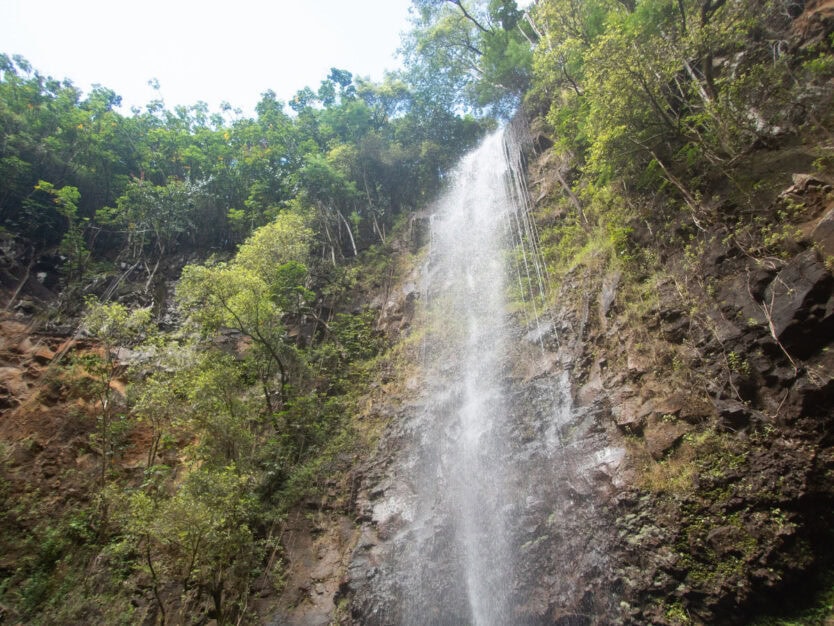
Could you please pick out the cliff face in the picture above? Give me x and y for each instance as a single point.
(692, 403)
(717, 386)
(724, 390)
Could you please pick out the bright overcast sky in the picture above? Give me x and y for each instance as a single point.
(203, 50)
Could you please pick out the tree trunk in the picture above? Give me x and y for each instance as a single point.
(350, 233)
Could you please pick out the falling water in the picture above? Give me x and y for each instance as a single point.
(466, 352)
(460, 501)
(484, 473)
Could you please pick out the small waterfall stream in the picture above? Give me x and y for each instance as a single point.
(474, 506)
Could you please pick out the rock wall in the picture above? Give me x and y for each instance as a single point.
(691, 480)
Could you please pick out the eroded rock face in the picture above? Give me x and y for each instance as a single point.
(799, 304)
(563, 468)
(315, 550)
(678, 466)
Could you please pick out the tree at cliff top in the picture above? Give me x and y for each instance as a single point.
(471, 55)
(679, 90)
(358, 152)
(665, 97)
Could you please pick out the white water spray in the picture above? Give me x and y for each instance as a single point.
(481, 465)
(461, 500)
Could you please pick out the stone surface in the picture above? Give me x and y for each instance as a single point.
(799, 304)
(823, 234)
(662, 436)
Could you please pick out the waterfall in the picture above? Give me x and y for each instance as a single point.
(464, 482)
(478, 513)
(458, 500)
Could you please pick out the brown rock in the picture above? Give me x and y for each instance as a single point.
(42, 354)
(11, 380)
(802, 183)
(797, 302)
(734, 415)
(637, 363)
(661, 436)
(631, 414)
(25, 346)
(823, 233)
(814, 23)
(727, 540)
(608, 293)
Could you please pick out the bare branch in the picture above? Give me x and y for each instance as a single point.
(478, 25)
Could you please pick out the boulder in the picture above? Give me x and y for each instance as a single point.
(734, 415)
(799, 301)
(13, 387)
(631, 414)
(823, 234)
(691, 409)
(662, 436)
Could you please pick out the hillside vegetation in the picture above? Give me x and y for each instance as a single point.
(198, 330)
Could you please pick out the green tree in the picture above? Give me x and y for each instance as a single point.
(475, 54)
(73, 244)
(152, 218)
(201, 538)
(253, 293)
(114, 326)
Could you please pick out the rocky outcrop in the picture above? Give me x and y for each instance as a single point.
(690, 442)
(722, 396)
(798, 305)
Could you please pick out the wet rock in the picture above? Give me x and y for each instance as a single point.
(419, 231)
(823, 234)
(606, 464)
(662, 436)
(540, 366)
(539, 333)
(591, 391)
(799, 302)
(571, 619)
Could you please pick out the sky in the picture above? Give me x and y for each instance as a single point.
(203, 50)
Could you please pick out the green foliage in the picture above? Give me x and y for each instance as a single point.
(355, 336)
(114, 326)
(272, 248)
(474, 54)
(645, 87)
(155, 216)
(72, 244)
(201, 538)
(162, 179)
